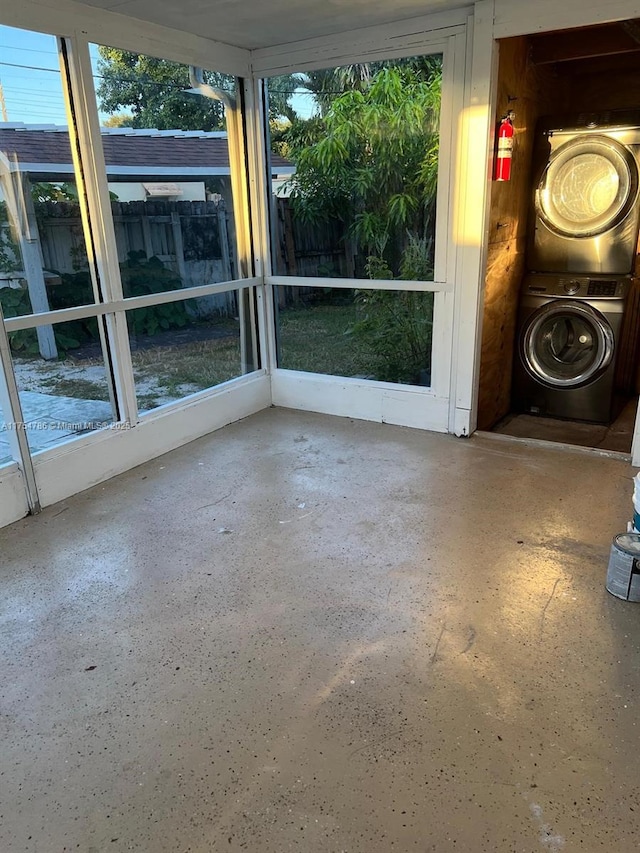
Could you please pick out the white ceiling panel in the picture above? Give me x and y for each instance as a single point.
(255, 24)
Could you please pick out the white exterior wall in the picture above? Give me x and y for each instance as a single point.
(192, 191)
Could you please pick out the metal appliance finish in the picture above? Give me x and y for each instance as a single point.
(586, 204)
(568, 329)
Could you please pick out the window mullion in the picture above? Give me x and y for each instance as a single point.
(254, 117)
(86, 143)
(11, 407)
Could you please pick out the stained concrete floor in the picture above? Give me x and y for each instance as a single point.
(305, 633)
(617, 436)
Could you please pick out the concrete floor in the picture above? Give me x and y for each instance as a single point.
(310, 634)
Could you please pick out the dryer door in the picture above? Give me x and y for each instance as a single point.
(588, 186)
(566, 344)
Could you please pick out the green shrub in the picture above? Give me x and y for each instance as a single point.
(16, 303)
(396, 329)
(396, 326)
(141, 276)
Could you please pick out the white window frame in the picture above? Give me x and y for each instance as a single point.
(426, 408)
(41, 478)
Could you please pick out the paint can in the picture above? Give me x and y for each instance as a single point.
(623, 575)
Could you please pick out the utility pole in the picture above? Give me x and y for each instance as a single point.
(3, 104)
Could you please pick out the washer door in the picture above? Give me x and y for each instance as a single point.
(588, 186)
(566, 344)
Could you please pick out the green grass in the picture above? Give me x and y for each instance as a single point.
(202, 364)
(147, 401)
(318, 340)
(82, 389)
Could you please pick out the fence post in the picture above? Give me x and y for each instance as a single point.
(224, 241)
(178, 244)
(146, 235)
(34, 273)
(289, 240)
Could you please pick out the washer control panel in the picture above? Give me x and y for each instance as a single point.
(571, 287)
(577, 287)
(602, 288)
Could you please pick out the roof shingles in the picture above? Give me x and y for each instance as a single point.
(136, 149)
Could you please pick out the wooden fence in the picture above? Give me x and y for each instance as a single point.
(195, 239)
(310, 250)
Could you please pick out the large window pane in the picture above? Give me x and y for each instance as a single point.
(363, 141)
(43, 257)
(64, 397)
(166, 146)
(368, 334)
(180, 348)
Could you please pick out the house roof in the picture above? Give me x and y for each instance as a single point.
(44, 150)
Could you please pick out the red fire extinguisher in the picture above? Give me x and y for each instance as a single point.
(505, 148)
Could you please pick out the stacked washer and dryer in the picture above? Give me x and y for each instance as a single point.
(582, 248)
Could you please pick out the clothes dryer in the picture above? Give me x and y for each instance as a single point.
(586, 199)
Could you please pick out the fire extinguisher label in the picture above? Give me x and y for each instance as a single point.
(505, 146)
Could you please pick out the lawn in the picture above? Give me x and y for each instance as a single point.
(162, 374)
(171, 372)
(316, 338)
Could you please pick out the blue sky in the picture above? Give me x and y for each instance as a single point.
(33, 96)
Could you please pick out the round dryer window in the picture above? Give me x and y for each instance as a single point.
(588, 186)
(566, 344)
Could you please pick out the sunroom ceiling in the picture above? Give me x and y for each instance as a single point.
(262, 23)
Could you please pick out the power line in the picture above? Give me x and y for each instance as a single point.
(27, 94)
(30, 67)
(178, 87)
(134, 79)
(27, 99)
(29, 49)
(168, 84)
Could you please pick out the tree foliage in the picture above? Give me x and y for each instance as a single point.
(153, 92)
(374, 163)
(118, 120)
(145, 92)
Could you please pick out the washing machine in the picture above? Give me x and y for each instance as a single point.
(568, 331)
(586, 201)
